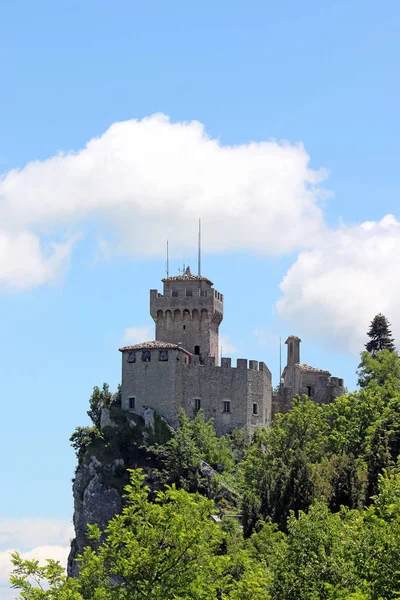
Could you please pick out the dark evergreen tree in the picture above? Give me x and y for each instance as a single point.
(380, 336)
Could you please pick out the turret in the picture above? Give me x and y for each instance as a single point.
(188, 313)
(293, 351)
(293, 358)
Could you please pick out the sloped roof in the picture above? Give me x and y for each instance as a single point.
(293, 337)
(154, 345)
(307, 369)
(187, 276)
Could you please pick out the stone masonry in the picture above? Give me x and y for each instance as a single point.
(180, 369)
(298, 379)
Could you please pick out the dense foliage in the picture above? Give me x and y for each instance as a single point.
(307, 510)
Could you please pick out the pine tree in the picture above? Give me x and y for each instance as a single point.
(380, 336)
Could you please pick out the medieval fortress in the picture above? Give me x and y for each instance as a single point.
(181, 367)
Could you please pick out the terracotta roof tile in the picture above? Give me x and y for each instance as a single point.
(187, 276)
(154, 345)
(307, 369)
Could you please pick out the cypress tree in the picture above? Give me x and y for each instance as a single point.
(380, 336)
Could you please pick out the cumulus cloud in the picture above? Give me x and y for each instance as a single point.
(40, 553)
(150, 179)
(135, 335)
(26, 262)
(27, 532)
(38, 538)
(335, 289)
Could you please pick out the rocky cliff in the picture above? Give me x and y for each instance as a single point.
(125, 441)
(102, 470)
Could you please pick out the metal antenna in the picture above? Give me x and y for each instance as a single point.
(167, 263)
(280, 360)
(199, 251)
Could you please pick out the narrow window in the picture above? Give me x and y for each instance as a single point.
(197, 350)
(146, 356)
(163, 355)
(255, 408)
(227, 406)
(189, 292)
(131, 402)
(197, 404)
(132, 357)
(184, 327)
(309, 391)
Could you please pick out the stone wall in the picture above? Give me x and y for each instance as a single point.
(320, 388)
(152, 383)
(180, 382)
(189, 318)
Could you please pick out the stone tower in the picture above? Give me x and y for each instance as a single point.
(293, 358)
(188, 313)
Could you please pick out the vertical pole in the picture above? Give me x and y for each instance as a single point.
(280, 360)
(199, 251)
(167, 266)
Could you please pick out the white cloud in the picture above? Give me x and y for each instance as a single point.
(38, 538)
(151, 179)
(227, 347)
(135, 335)
(335, 289)
(27, 532)
(40, 553)
(27, 262)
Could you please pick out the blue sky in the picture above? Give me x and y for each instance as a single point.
(321, 75)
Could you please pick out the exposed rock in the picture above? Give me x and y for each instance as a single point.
(105, 419)
(102, 472)
(94, 502)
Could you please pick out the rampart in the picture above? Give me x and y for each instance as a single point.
(234, 397)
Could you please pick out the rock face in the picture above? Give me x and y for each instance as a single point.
(94, 502)
(102, 472)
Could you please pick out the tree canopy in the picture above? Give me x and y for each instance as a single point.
(380, 336)
(314, 513)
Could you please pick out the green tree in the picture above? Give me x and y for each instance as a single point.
(383, 450)
(340, 480)
(377, 553)
(193, 442)
(380, 373)
(165, 549)
(99, 399)
(47, 582)
(380, 336)
(276, 474)
(82, 438)
(315, 564)
(349, 419)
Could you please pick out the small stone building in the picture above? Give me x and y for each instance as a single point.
(299, 378)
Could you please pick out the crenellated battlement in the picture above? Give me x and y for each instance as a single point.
(191, 292)
(226, 363)
(179, 369)
(188, 313)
